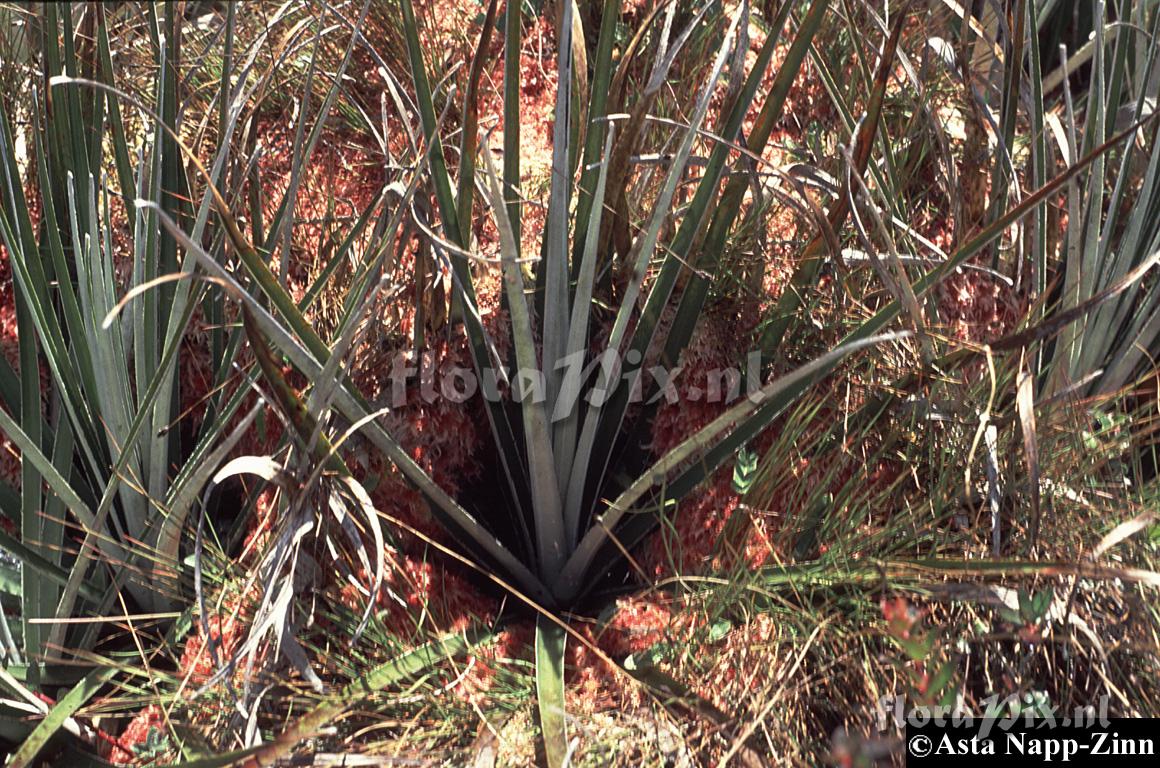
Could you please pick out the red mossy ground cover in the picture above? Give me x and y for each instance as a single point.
(125, 751)
(9, 348)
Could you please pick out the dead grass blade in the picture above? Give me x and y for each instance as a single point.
(1025, 404)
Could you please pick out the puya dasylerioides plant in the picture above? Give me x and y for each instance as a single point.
(1113, 222)
(573, 516)
(108, 479)
(96, 437)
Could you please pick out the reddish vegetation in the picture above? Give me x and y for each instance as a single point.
(229, 625)
(136, 734)
(197, 662)
(719, 343)
(445, 600)
(265, 515)
(9, 456)
(638, 624)
(8, 337)
(978, 307)
(899, 615)
(341, 173)
(10, 346)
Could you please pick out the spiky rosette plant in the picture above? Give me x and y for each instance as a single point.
(93, 410)
(571, 516)
(1110, 235)
(111, 467)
